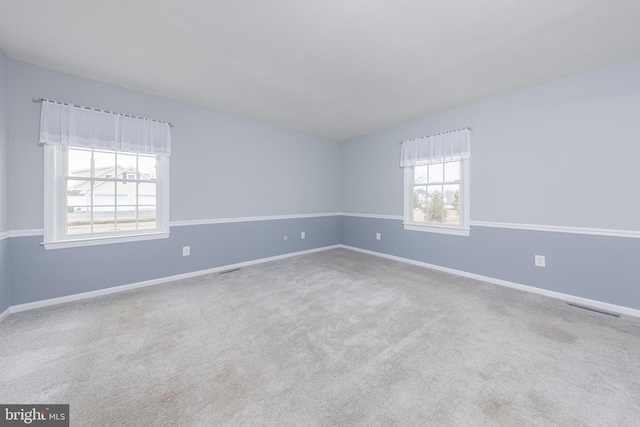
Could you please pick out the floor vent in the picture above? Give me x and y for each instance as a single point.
(584, 307)
(229, 271)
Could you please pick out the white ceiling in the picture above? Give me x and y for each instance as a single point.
(332, 68)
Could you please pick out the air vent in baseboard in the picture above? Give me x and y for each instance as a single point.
(584, 307)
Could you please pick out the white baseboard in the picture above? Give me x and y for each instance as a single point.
(116, 289)
(250, 219)
(557, 295)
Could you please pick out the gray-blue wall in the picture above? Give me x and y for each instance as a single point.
(221, 167)
(4, 182)
(39, 274)
(595, 267)
(559, 155)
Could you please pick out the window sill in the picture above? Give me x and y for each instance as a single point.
(455, 231)
(106, 240)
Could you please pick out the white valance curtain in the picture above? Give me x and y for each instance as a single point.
(70, 125)
(444, 147)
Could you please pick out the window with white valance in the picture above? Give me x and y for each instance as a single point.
(436, 170)
(444, 147)
(106, 176)
(75, 126)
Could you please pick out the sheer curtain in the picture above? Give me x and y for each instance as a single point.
(63, 124)
(444, 147)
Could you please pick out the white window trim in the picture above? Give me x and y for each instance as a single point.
(53, 200)
(456, 230)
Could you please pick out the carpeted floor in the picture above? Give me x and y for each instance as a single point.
(336, 338)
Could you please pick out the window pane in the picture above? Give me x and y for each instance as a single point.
(123, 200)
(104, 193)
(79, 162)
(104, 220)
(147, 194)
(434, 212)
(436, 172)
(432, 190)
(147, 167)
(77, 192)
(420, 174)
(419, 204)
(104, 163)
(127, 163)
(127, 192)
(147, 218)
(420, 214)
(451, 193)
(127, 217)
(451, 214)
(452, 171)
(79, 221)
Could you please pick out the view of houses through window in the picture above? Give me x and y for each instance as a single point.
(436, 193)
(109, 191)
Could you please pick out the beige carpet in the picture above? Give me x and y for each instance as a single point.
(336, 338)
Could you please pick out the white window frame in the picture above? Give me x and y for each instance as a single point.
(55, 204)
(457, 230)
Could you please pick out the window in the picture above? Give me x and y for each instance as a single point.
(95, 196)
(436, 197)
(437, 183)
(99, 190)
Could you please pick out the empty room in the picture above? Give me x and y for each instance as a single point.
(356, 213)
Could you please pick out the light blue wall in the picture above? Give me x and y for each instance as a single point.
(561, 154)
(221, 167)
(4, 181)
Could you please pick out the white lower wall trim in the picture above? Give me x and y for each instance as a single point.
(249, 219)
(533, 227)
(362, 215)
(40, 232)
(4, 235)
(116, 289)
(557, 295)
(560, 229)
(26, 233)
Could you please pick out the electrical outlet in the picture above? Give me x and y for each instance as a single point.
(303, 235)
(378, 236)
(285, 238)
(539, 261)
(186, 250)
